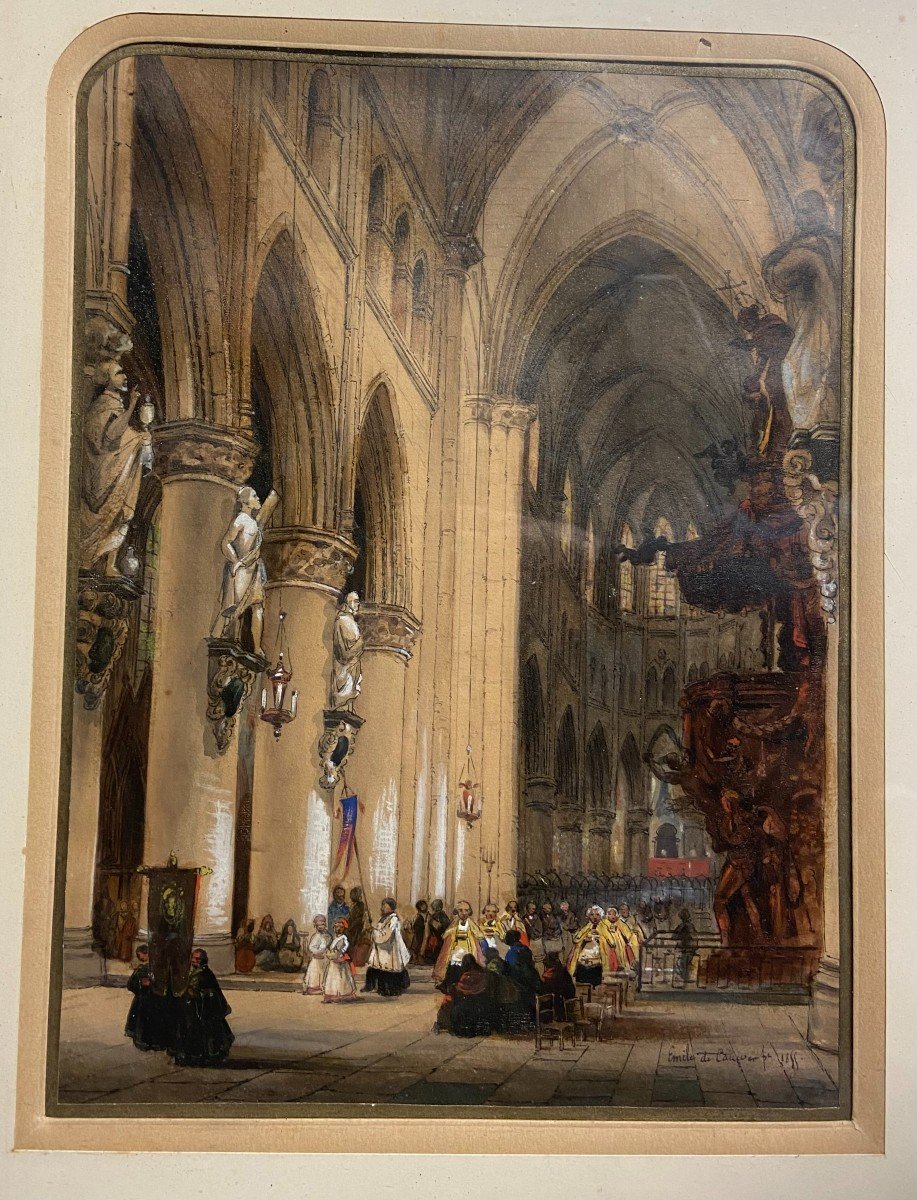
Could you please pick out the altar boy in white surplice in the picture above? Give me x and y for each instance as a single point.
(314, 980)
(339, 983)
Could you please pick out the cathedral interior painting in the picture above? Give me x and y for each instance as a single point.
(458, 590)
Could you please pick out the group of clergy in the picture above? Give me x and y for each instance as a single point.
(189, 1023)
(333, 961)
(491, 971)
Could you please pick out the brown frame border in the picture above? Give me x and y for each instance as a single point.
(864, 1132)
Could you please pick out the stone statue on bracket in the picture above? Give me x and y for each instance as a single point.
(804, 273)
(347, 647)
(116, 454)
(244, 575)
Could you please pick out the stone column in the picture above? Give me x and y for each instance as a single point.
(82, 966)
(511, 420)
(538, 826)
(439, 757)
(811, 472)
(191, 785)
(110, 154)
(291, 814)
(568, 839)
(375, 770)
(824, 1007)
(637, 844)
(600, 826)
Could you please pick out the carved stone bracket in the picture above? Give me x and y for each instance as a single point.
(512, 414)
(231, 673)
(318, 557)
(816, 502)
(389, 627)
(200, 450)
(101, 631)
(336, 744)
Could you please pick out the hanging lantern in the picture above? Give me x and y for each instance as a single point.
(276, 713)
(470, 801)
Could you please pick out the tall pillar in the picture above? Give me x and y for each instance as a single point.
(437, 762)
(291, 815)
(824, 1007)
(568, 840)
(82, 966)
(488, 658)
(538, 825)
(191, 785)
(810, 477)
(511, 421)
(600, 825)
(375, 770)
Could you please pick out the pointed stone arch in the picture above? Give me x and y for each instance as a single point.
(174, 210)
(532, 719)
(286, 339)
(383, 566)
(598, 774)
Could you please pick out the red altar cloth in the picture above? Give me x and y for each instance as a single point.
(690, 868)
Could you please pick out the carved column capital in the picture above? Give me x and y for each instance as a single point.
(511, 413)
(389, 628)
(462, 252)
(540, 794)
(198, 450)
(478, 409)
(318, 558)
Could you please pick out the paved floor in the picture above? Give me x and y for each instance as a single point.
(291, 1048)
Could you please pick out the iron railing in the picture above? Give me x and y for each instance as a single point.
(583, 890)
(705, 966)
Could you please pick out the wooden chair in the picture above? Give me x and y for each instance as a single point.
(584, 990)
(547, 1026)
(585, 1017)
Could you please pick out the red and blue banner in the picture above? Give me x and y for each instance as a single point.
(349, 809)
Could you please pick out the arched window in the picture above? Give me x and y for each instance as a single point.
(652, 690)
(143, 660)
(532, 452)
(322, 138)
(598, 784)
(401, 273)
(566, 518)
(533, 732)
(420, 309)
(565, 759)
(663, 587)
(376, 209)
(626, 573)
(669, 689)
(666, 841)
(280, 86)
(378, 248)
(590, 561)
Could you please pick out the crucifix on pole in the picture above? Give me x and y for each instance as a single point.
(489, 859)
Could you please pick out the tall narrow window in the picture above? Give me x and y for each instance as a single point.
(532, 452)
(626, 574)
(420, 310)
(378, 249)
(145, 633)
(280, 86)
(663, 586)
(401, 276)
(566, 518)
(590, 561)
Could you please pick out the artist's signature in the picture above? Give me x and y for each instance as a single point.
(787, 1060)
